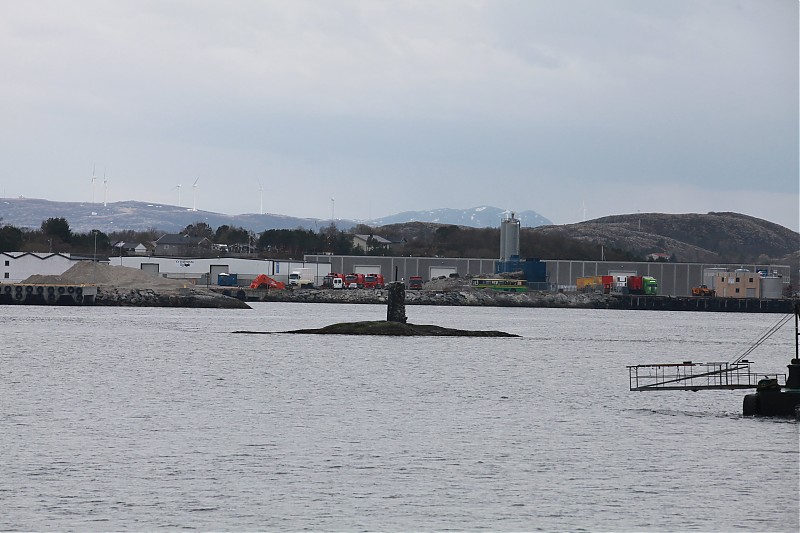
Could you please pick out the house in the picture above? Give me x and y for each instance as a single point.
(130, 248)
(367, 243)
(177, 245)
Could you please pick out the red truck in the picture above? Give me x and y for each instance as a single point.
(354, 281)
(373, 281)
(334, 280)
(637, 285)
(415, 282)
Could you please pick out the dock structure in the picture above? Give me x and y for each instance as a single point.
(694, 376)
(695, 303)
(47, 294)
(689, 375)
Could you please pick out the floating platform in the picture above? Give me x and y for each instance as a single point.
(47, 294)
(694, 376)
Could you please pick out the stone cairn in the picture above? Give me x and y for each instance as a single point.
(396, 309)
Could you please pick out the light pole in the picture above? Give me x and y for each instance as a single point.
(94, 261)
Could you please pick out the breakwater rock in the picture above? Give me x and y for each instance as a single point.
(394, 329)
(193, 298)
(466, 296)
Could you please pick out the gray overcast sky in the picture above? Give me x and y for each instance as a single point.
(560, 106)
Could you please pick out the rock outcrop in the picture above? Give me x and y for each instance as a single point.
(398, 329)
(194, 298)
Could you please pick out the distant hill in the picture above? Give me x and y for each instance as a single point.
(712, 237)
(141, 216)
(475, 217)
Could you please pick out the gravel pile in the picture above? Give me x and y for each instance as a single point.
(117, 285)
(104, 275)
(446, 284)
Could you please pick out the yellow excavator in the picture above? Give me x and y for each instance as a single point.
(702, 290)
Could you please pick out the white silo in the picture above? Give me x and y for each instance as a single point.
(772, 287)
(509, 238)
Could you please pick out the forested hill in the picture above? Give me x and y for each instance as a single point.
(707, 238)
(712, 237)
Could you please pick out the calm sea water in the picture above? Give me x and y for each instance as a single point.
(148, 419)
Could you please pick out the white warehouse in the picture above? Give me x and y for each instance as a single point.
(203, 271)
(18, 266)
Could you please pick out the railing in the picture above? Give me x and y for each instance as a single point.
(695, 376)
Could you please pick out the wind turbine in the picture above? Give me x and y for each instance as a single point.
(94, 178)
(105, 188)
(194, 194)
(333, 203)
(178, 186)
(261, 198)
(583, 210)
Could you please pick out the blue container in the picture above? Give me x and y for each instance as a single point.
(228, 280)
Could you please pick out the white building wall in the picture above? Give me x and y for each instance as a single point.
(15, 267)
(195, 268)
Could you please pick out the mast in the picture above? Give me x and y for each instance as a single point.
(797, 331)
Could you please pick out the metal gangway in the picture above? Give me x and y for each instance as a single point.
(692, 376)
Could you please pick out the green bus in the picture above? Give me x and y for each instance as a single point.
(500, 284)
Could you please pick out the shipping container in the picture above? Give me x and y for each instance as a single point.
(595, 284)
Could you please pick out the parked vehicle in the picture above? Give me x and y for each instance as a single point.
(415, 282)
(641, 285)
(302, 277)
(702, 290)
(354, 281)
(373, 281)
(334, 280)
(262, 281)
(499, 284)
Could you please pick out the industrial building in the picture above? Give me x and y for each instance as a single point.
(205, 271)
(18, 266)
(674, 279)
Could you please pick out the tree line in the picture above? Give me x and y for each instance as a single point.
(55, 235)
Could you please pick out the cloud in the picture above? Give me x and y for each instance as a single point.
(402, 106)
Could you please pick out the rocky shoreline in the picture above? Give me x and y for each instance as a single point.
(193, 298)
(122, 286)
(466, 297)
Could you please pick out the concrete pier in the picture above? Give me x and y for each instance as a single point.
(47, 294)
